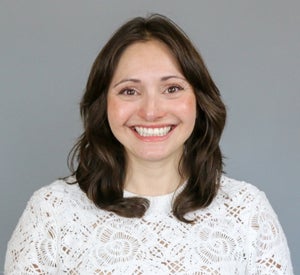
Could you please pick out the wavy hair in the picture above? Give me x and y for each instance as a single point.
(98, 159)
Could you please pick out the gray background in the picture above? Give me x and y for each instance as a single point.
(251, 48)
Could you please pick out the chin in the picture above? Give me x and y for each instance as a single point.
(158, 156)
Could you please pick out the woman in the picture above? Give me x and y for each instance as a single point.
(147, 194)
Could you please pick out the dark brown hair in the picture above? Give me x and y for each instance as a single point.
(100, 158)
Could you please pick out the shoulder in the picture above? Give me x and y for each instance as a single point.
(236, 190)
(243, 201)
(59, 194)
(58, 187)
(240, 200)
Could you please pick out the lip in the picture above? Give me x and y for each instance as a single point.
(153, 133)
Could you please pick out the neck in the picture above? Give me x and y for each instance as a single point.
(152, 178)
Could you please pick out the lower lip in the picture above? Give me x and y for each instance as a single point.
(153, 138)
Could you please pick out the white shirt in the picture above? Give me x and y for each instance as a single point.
(62, 232)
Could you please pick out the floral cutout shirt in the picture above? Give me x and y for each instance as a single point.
(62, 232)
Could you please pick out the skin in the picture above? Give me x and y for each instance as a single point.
(151, 111)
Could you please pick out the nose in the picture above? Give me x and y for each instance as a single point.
(151, 107)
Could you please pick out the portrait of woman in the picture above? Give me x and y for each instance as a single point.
(147, 192)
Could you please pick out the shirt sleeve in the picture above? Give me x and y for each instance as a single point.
(32, 247)
(268, 249)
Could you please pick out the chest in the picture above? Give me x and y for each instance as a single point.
(155, 244)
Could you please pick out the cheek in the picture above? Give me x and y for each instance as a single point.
(112, 111)
(117, 112)
(188, 108)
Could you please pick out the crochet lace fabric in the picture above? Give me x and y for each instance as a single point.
(62, 232)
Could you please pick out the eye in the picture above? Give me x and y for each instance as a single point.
(173, 89)
(128, 91)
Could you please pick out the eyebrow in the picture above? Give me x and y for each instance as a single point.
(165, 78)
(127, 80)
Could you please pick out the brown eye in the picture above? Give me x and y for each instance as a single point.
(173, 89)
(128, 91)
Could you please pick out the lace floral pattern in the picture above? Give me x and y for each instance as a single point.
(62, 232)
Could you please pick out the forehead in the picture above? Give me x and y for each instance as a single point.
(147, 55)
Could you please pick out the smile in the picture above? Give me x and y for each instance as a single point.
(153, 132)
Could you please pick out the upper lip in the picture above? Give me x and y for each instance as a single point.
(152, 126)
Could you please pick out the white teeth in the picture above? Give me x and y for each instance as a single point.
(151, 132)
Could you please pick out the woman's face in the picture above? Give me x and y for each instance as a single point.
(151, 106)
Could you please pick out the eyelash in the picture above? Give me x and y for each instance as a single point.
(169, 90)
(128, 91)
(172, 87)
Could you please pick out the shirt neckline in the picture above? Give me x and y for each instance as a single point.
(160, 204)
